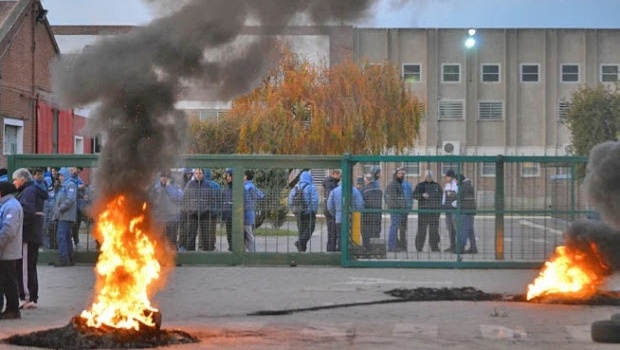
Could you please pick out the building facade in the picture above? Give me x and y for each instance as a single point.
(506, 94)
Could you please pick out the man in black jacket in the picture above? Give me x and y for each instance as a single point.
(428, 194)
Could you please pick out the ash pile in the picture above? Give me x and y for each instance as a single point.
(77, 335)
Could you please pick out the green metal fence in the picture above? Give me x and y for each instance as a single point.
(523, 205)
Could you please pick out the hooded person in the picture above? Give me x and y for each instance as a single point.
(65, 212)
(428, 193)
(306, 193)
(398, 197)
(376, 174)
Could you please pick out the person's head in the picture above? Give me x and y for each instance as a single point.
(6, 188)
(368, 179)
(359, 182)
(336, 174)
(75, 171)
(64, 174)
(55, 171)
(37, 173)
(199, 174)
(21, 176)
(228, 175)
(376, 172)
(428, 175)
(248, 175)
(165, 176)
(450, 175)
(399, 174)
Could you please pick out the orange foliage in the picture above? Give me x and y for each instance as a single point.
(304, 109)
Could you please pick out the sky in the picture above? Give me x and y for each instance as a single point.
(414, 14)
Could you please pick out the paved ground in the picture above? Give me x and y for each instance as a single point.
(212, 303)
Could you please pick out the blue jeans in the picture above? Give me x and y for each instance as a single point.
(65, 243)
(395, 225)
(467, 233)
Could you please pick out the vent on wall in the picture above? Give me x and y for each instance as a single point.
(451, 147)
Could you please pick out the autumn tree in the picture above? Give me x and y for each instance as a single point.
(301, 108)
(593, 117)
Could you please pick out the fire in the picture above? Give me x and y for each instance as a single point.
(570, 272)
(126, 267)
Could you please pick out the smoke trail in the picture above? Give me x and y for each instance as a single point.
(602, 182)
(602, 189)
(136, 78)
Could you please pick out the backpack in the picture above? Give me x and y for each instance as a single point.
(298, 204)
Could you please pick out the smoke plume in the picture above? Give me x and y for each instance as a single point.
(135, 79)
(602, 189)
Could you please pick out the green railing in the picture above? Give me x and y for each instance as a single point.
(523, 205)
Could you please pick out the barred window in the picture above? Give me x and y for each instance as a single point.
(530, 169)
(490, 73)
(609, 73)
(529, 73)
(412, 73)
(451, 73)
(490, 110)
(570, 73)
(450, 109)
(563, 108)
(488, 169)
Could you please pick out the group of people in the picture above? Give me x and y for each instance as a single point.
(192, 209)
(22, 232)
(456, 199)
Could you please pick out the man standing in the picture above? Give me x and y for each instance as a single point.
(31, 197)
(395, 200)
(306, 218)
(334, 205)
(65, 212)
(195, 207)
(227, 205)
(449, 204)
(371, 221)
(468, 207)
(167, 197)
(251, 195)
(11, 221)
(329, 184)
(428, 194)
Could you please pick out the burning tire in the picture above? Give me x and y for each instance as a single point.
(606, 331)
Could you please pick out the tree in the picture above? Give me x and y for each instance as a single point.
(593, 117)
(301, 108)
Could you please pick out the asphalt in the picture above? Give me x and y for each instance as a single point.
(214, 303)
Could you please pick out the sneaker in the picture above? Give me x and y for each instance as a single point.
(29, 305)
(10, 315)
(22, 303)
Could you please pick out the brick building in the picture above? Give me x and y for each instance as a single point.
(32, 120)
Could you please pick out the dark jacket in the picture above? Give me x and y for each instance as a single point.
(467, 197)
(395, 195)
(433, 201)
(32, 198)
(227, 201)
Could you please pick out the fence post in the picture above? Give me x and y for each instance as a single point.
(346, 187)
(499, 208)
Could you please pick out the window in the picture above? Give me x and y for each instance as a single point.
(78, 145)
(490, 110)
(529, 73)
(490, 73)
(488, 169)
(570, 73)
(412, 169)
(450, 109)
(530, 169)
(13, 136)
(97, 143)
(451, 73)
(563, 108)
(609, 73)
(412, 73)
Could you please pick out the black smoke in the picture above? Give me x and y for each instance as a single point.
(602, 190)
(135, 79)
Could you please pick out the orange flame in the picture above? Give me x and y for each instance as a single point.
(126, 267)
(569, 273)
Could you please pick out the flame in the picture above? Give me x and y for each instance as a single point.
(571, 273)
(126, 267)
